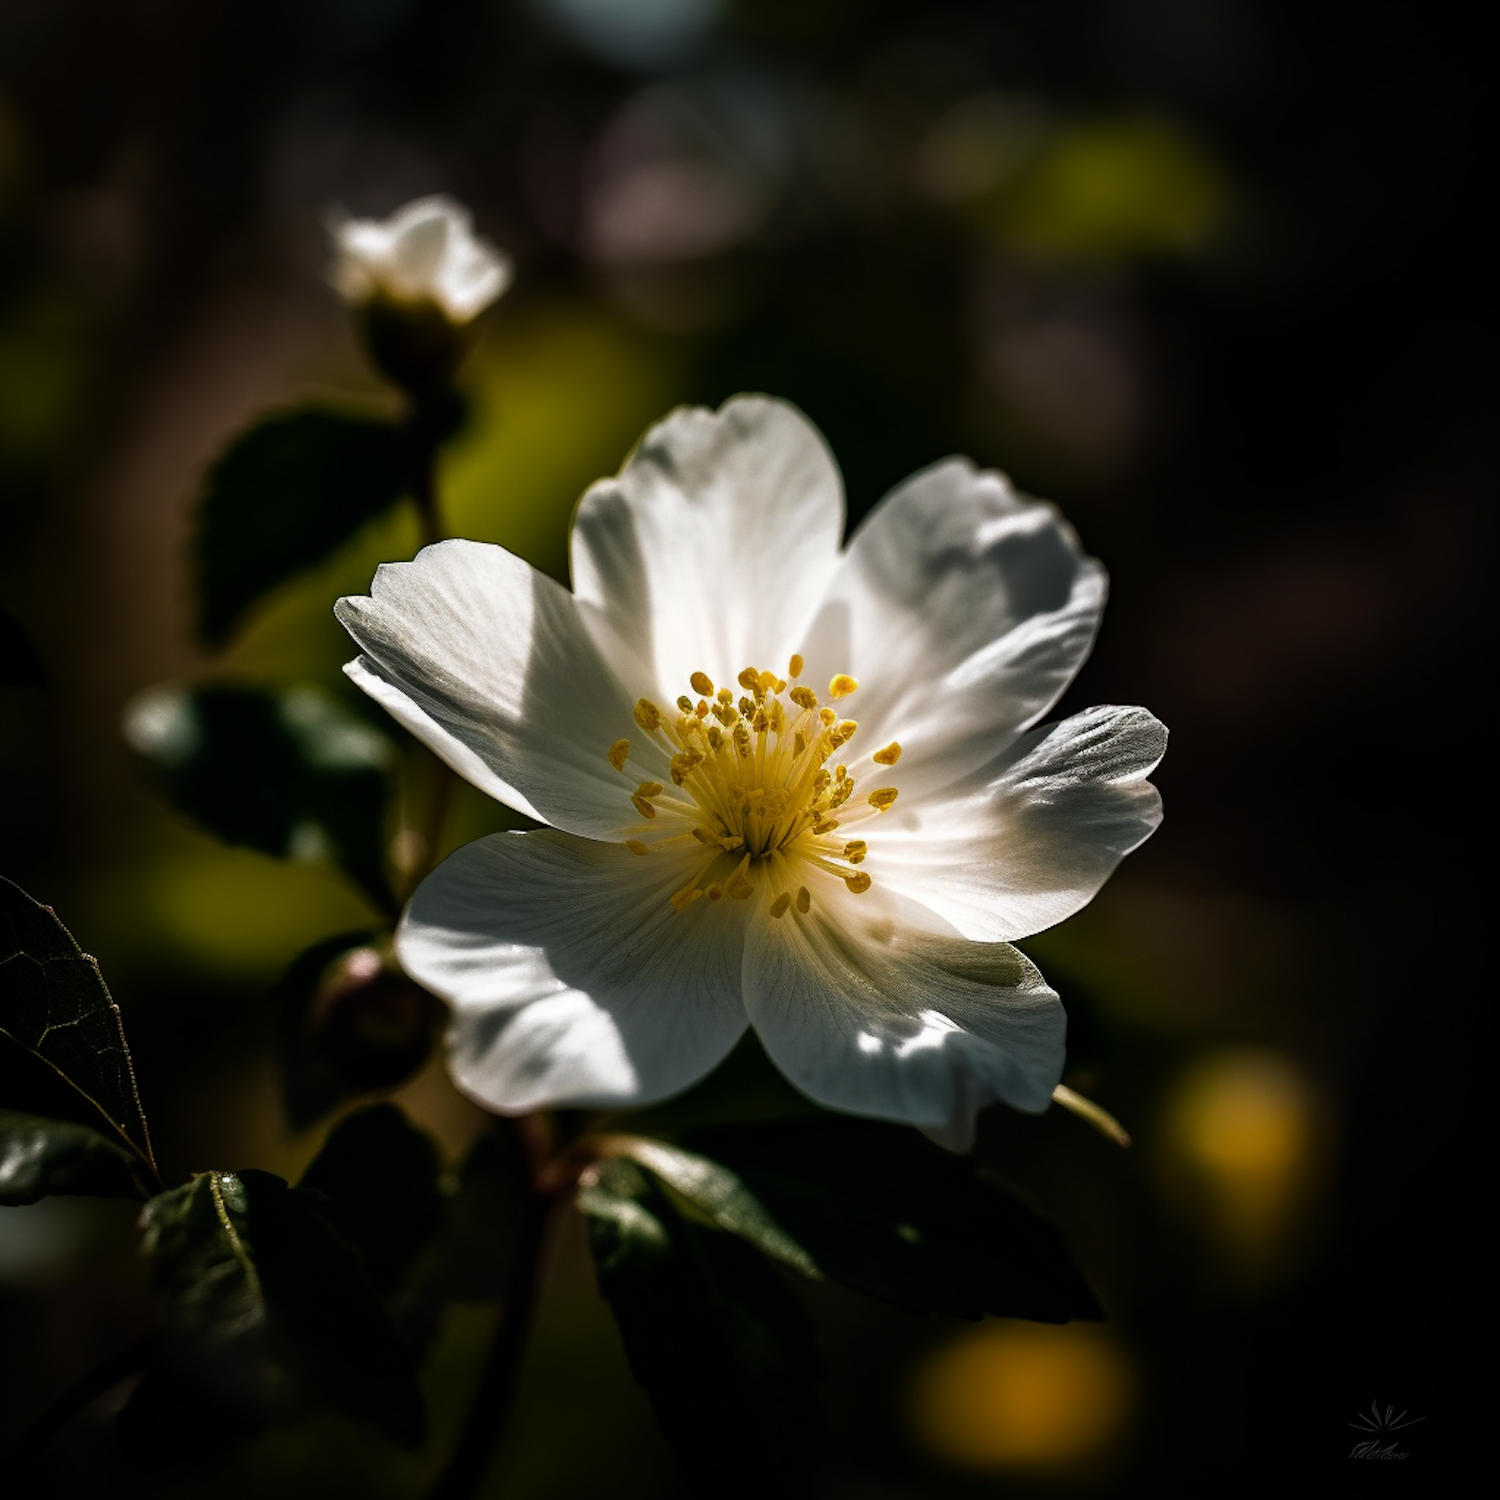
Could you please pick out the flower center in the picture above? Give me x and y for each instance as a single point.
(754, 788)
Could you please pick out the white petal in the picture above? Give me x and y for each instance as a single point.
(474, 274)
(572, 979)
(713, 547)
(868, 1014)
(487, 662)
(963, 610)
(421, 236)
(1029, 839)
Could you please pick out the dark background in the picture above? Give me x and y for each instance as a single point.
(1206, 272)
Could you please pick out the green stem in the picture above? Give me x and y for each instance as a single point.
(495, 1392)
(76, 1399)
(424, 434)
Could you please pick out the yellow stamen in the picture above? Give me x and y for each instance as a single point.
(794, 666)
(617, 753)
(685, 897)
(749, 679)
(882, 799)
(702, 683)
(889, 756)
(647, 715)
(780, 904)
(857, 882)
(842, 686)
(636, 846)
(644, 808)
(804, 900)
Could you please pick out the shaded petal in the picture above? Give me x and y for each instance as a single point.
(486, 661)
(964, 610)
(868, 1014)
(712, 548)
(1029, 839)
(572, 979)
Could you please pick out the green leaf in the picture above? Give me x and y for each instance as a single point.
(289, 771)
(719, 1342)
(283, 497)
(55, 1004)
(41, 1157)
(380, 1175)
(20, 665)
(879, 1209)
(265, 1312)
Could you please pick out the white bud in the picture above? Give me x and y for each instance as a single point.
(426, 251)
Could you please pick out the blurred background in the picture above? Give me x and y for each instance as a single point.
(1205, 272)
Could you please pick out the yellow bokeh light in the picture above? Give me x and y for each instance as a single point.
(1024, 1396)
(1243, 1146)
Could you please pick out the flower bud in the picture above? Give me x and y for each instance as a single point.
(417, 279)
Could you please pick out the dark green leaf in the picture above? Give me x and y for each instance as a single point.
(881, 1210)
(41, 1157)
(719, 1342)
(55, 1004)
(20, 666)
(288, 771)
(283, 497)
(267, 1311)
(380, 1175)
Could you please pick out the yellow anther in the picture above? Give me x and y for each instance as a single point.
(685, 897)
(882, 799)
(780, 904)
(804, 900)
(857, 882)
(702, 683)
(647, 715)
(715, 738)
(742, 739)
(794, 666)
(825, 825)
(700, 709)
(740, 888)
(841, 686)
(855, 851)
(747, 707)
(682, 765)
(650, 789)
(644, 808)
(749, 678)
(766, 682)
(820, 781)
(725, 696)
(762, 721)
(685, 704)
(706, 836)
(841, 793)
(724, 713)
(840, 773)
(889, 756)
(803, 697)
(617, 753)
(637, 847)
(828, 717)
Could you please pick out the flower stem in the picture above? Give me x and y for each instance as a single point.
(424, 432)
(76, 1399)
(494, 1394)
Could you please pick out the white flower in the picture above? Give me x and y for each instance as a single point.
(725, 848)
(426, 251)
